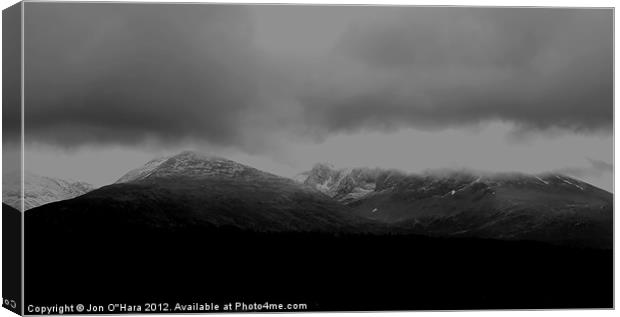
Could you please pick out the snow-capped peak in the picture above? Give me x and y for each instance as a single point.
(40, 190)
(188, 164)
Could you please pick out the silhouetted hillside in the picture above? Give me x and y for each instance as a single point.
(324, 270)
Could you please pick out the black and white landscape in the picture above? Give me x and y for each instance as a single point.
(349, 158)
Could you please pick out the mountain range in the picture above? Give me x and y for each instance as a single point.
(209, 227)
(192, 191)
(514, 206)
(40, 190)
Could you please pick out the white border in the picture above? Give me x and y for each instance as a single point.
(485, 3)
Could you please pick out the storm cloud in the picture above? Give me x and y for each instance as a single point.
(127, 73)
(593, 171)
(439, 67)
(243, 76)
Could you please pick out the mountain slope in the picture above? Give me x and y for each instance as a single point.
(40, 190)
(194, 191)
(547, 207)
(550, 208)
(142, 171)
(190, 190)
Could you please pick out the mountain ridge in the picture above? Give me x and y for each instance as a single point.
(190, 164)
(546, 207)
(190, 190)
(329, 179)
(40, 190)
(193, 190)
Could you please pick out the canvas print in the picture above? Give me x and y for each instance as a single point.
(184, 158)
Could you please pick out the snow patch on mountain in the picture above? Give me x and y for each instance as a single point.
(345, 184)
(569, 182)
(542, 180)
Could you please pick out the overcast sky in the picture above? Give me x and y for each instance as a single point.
(110, 86)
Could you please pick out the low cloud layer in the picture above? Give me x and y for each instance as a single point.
(595, 168)
(243, 76)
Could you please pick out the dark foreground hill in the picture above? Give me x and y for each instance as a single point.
(323, 270)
